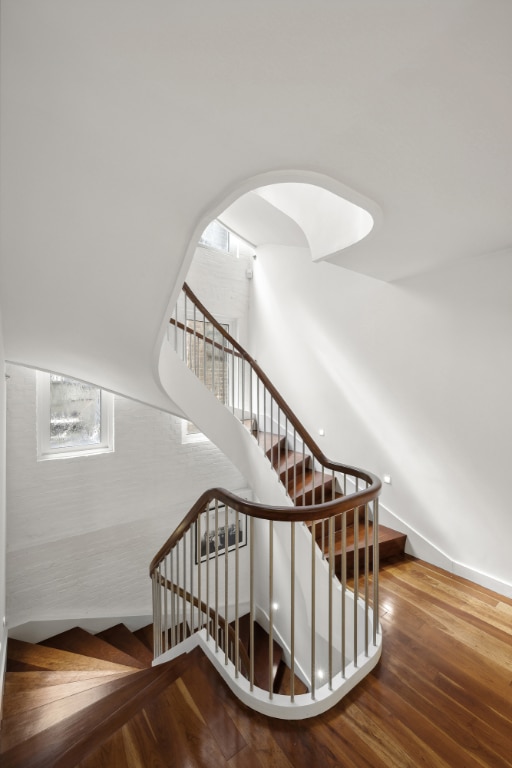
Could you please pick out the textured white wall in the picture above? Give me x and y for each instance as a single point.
(3, 635)
(412, 379)
(81, 532)
(219, 280)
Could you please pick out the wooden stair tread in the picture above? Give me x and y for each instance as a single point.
(15, 665)
(262, 657)
(283, 682)
(23, 726)
(262, 654)
(66, 743)
(385, 535)
(22, 699)
(121, 637)
(312, 487)
(19, 681)
(269, 443)
(78, 640)
(291, 464)
(53, 658)
(145, 635)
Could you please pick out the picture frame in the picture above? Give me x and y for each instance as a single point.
(226, 541)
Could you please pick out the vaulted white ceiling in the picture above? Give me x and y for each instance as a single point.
(128, 124)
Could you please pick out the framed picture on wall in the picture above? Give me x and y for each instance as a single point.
(225, 539)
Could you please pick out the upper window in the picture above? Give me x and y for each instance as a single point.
(74, 418)
(216, 236)
(206, 356)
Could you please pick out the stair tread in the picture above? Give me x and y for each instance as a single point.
(44, 678)
(23, 726)
(120, 636)
(262, 653)
(53, 658)
(22, 699)
(84, 731)
(269, 442)
(78, 640)
(145, 635)
(15, 665)
(385, 535)
(288, 460)
(312, 488)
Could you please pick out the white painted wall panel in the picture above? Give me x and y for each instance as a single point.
(411, 379)
(82, 531)
(3, 632)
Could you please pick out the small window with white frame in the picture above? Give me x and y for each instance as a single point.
(74, 418)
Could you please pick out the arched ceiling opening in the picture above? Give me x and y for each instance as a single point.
(299, 213)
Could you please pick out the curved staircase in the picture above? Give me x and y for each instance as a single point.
(306, 486)
(94, 701)
(79, 699)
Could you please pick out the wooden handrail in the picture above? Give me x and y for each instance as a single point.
(304, 513)
(283, 405)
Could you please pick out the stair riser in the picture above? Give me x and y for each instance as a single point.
(314, 496)
(387, 550)
(293, 473)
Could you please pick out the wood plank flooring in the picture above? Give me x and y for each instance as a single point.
(441, 696)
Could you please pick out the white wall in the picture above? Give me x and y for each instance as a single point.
(81, 532)
(412, 379)
(220, 282)
(3, 630)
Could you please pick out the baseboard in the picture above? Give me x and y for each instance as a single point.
(35, 631)
(420, 547)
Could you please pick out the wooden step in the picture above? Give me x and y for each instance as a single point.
(262, 674)
(321, 532)
(145, 635)
(262, 651)
(44, 657)
(70, 740)
(312, 488)
(121, 637)
(283, 681)
(15, 665)
(290, 465)
(44, 678)
(280, 673)
(391, 544)
(78, 640)
(272, 445)
(23, 699)
(24, 725)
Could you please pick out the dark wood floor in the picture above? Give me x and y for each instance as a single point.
(441, 696)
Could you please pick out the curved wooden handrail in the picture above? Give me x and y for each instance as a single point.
(299, 427)
(306, 513)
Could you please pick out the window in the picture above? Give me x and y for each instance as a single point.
(209, 360)
(210, 364)
(215, 236)
(74, 418)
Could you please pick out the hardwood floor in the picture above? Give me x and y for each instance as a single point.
(440, 697)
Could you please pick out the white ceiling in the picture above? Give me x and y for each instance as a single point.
(128, 124)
